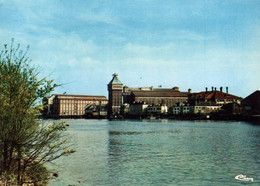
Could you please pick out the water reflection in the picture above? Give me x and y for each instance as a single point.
(174, 153)
(161, 153)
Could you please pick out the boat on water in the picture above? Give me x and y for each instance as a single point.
(151, 117)
(242, 177)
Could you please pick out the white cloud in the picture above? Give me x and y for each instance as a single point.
(85, 42)
(98, 17)
(144, 49)
(187, 35)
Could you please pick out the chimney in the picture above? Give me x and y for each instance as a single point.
(189, 90)
(176, 89)
(221, 89)
(215, 88)
(212, 88)
(206, 89)
(227, 90)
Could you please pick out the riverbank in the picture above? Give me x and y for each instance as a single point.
(213, 117)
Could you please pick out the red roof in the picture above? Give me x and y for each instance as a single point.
(213, 95)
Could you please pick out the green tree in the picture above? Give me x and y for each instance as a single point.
(26, 143)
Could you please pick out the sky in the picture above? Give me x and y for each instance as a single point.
(184, 43)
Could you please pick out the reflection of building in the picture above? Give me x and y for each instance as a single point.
(114, 96)
(61, 105)
(251, 104)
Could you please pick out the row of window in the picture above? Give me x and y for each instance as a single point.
(72, 110)
(209, 108)
(228, 100)
(159, 101)
(184, 108)
(70, 113)
(73, 105)
(83, 101)
(153, 108)
(197, 107)
(117, 99)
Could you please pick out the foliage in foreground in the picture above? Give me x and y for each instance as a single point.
(26, 144)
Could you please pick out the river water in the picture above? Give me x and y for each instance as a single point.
(160, 152)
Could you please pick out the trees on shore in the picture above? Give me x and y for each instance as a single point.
(26, 144)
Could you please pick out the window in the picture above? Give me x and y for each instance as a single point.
(248, 108)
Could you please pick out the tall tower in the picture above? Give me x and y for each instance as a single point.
(115, 88)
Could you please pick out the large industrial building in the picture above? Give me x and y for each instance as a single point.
(212, 101)
(119, 95)
(62, 105)
(114, 96)
(154, 96)
(138, 101)
(143, 101)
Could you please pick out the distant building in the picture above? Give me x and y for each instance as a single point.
(154, 96)
(147, 100)
(211, 101)
(204, 109)
(232, 109)
(251, 104)
(48, 105)
(62, 105)
(137, 109)
(114, 96)
(120, 96)
(157, 109)
(96, 111)
(180, 108)
(213, 97)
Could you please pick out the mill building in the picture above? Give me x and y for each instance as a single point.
(62, 105)
(121, 95)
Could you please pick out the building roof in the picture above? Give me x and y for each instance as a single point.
(159, 94)
(213, 95)
(174, 89)
(67, 96)
(115, 80)
(252, 98)
(256, 93)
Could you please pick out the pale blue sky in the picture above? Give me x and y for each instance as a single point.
(185, 43)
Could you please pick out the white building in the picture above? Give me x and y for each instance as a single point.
(180, 108)
(157, 109)
(204, 109)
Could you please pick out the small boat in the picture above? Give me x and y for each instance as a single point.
(242, 177)
(151, 117)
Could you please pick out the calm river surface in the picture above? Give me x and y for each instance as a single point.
(160, 152)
